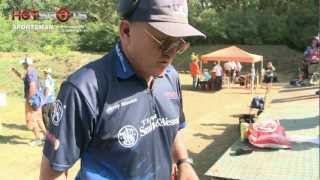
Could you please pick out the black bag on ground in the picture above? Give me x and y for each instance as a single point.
(257, 103)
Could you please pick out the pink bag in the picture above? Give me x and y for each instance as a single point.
(268, 134)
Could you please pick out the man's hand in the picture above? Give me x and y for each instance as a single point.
(179, 151)
(16, 72)
(186, 172)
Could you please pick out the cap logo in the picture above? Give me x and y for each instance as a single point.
(179, 10)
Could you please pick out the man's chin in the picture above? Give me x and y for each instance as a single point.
(159, 72)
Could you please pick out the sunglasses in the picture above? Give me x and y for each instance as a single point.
(166, 45)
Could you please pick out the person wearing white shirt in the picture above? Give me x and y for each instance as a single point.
(238, 68)
(229, 68)
(49, 94)
(218, 73)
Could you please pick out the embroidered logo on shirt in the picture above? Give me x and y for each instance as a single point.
(123, 103)
(153, 122)
(57, 113)
(128, 136)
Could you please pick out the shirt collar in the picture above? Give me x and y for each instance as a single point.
(123, 69)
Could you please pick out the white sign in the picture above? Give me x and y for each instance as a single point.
(3, 99)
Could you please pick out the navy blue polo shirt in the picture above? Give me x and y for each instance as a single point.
(107, 116)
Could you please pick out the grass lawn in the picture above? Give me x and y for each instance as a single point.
(18, 159)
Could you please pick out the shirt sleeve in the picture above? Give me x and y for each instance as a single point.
(182, 119)
(32, 76)
(47, 83)
(70, 128)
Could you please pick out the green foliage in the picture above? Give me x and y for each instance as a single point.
(210, 23)
(272, 28)
(291, 22)
(99, 37)
(29, 41)
(242, 26)
(302, 24)
(102, 30)
(6, 36)
(257, 21)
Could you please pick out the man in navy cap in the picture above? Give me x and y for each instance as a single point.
(122, 114)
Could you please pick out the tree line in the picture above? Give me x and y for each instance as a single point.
(252, 22)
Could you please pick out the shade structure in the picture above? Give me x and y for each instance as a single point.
(256, 58)
(232, 53)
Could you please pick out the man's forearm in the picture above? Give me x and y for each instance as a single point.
(179, 150)
(47, 173)
(16, 72)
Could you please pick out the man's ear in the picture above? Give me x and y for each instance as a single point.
(124, 31)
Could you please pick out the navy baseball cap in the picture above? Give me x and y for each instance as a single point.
(168, 16)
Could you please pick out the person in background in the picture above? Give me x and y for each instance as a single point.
(269, 75)
(31, 87)
(206, 75)
(205, 81)
(48, 86)
(195, 71)
(305, 69)
(49, 94)
(229, 68)
(238, 68)
(218, 73)
(233, 70)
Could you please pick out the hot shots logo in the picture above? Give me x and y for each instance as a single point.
(63, 14)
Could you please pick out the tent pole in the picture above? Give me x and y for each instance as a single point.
(261, 77)
(258, 79)
(252, 78)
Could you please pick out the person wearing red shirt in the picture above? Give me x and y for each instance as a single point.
(195, 71)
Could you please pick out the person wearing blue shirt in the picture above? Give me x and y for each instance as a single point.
(33, 115)
(48, 86)
(49, 95)
(206, 75)
(122, 115)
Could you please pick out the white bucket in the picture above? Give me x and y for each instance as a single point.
(3, 99)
